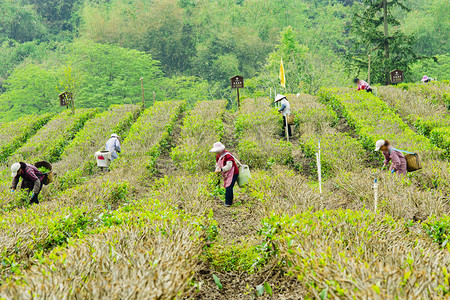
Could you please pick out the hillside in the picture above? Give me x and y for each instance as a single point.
(155, 226)
(158, 224)
(187, 50)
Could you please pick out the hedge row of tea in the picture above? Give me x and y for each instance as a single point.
(258, 130)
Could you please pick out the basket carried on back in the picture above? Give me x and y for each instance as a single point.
(49, 175)
(290, 119)
(412, 160)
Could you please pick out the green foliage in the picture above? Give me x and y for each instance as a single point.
(217, 281)
(14, 53)
(20, 22)
(389, 51)
(98, 75)
(190, 89)
(305, 70)
(110, 74)
(115, 192)
(324, 249)
(50, 142)
(435, 68)
(31, 89)
(428, 22)
(202, 127)
(14, 134)
(241, 258)
(438, 229)
(374, 120)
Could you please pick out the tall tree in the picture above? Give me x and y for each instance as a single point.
(370, 27)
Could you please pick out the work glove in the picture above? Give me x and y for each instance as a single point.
(12, 191)
(392, 171)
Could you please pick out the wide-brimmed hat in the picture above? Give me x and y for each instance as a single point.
(217, 148)
(425, 78)
(14, 169)
(279, 97)
(379, 144)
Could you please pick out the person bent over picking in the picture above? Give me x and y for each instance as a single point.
(399, 165)
(362, 85)
(32, 179)
(226, 165)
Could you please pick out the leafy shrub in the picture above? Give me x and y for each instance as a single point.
(257, 127)
(202, 127)
(436, 91)
(424, 114)
(96, 131)
(241, 258)
(373, 120)
(49, 142)
(316, 124)
(14, 134)
(438, 228)
(355, 254)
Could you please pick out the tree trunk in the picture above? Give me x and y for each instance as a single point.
(386, 42)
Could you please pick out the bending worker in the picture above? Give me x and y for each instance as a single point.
(399, 165)
(226, 165)
(113, 146)
(32, 179)
(362, 85)
(285, 109)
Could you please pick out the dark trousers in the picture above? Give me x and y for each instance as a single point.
(29, 185)
(369, 91)
(288, 127)
(229, 191)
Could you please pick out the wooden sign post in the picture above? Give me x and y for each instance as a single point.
(142, 88)
(237, 82)
(397, 76)
(66, 99)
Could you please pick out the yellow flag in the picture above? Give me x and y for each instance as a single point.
(282, 76)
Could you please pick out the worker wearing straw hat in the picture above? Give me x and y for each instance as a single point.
(285, 109)
(32, 179)
(226, 165)
(399, 165)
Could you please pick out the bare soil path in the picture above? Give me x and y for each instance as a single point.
(238, 226)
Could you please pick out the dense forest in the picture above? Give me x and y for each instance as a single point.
(188, 49)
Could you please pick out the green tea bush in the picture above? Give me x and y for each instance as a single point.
(160, 242)
(436, 91)
(15, 134)
(424, 114)
(50, 142)
(316, 123)
(142, 145)
(258, 127)
(373, 120)
(438, 228)
(357, 254)
(202, 127)
(79, 154)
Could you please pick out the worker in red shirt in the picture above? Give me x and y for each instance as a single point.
(362, 85)
(32, 179)
(226, 165)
